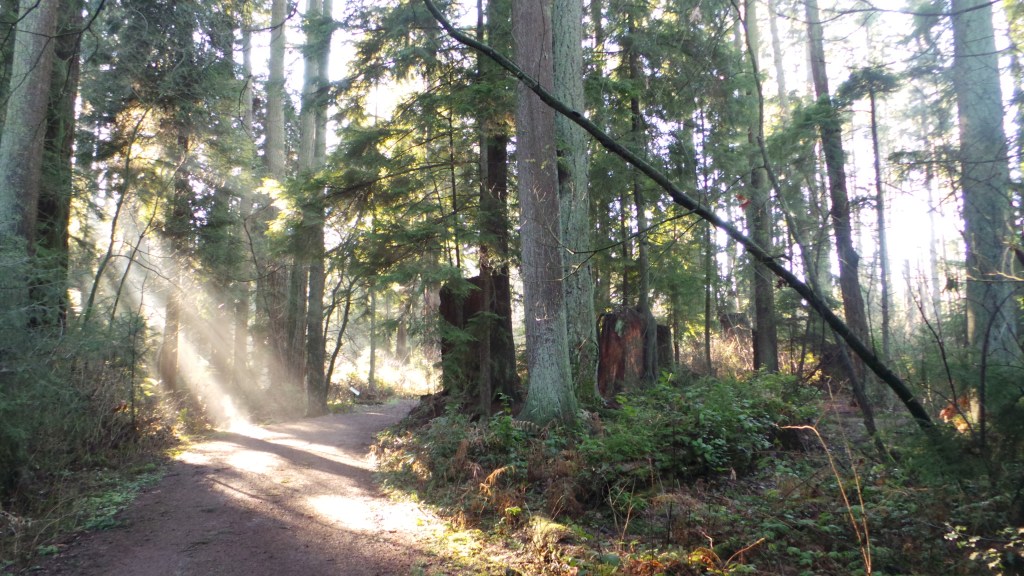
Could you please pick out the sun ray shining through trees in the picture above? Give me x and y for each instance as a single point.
(633, 257)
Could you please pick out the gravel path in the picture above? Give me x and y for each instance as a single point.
(288, 499)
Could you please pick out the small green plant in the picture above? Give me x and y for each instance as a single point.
(47, 550)
(681, 433)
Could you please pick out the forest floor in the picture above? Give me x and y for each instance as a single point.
(286, 499)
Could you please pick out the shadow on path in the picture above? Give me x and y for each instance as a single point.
(289, 499)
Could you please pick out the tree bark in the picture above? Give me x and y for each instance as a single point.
(54, 208)
(984, 182)
(567, 24)
(780, 69)
(240, 336)
(312, 153)
(272, 287)
(275, 149)
(758, 213)
(497, 375)
(21, 158)
(176, 228)
(638, 137)
(550, 391)
(883, 243)
(831, 133)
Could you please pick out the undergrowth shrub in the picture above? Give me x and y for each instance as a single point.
(673, 433)
(669, 433)
(691, 476)
(71, 405)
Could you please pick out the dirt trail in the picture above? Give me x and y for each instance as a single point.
(288, 499)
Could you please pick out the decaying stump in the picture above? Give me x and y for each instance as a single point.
(621, 350)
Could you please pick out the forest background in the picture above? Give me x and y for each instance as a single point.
(753, 215)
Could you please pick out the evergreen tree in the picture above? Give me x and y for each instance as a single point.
(21, 163)
(992, 288)
(550, 395)
(567, 19)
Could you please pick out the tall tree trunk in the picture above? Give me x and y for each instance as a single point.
(240, 342)
(312, 153)
(883, 243)
(567, 23)
(625, 249)
(503, 348)
(780, 69)
(765, 336)
(8, 14)
(987, 199)
(176, 229)
(316, 384)
(273, 274)
(371, 376)
(547, 352)
(275, 146)
(987, 204)
(498, 355)
(832, 146)
(638, 137)
(168, 358)
(21, 159)
(54, 208)
(295, 319)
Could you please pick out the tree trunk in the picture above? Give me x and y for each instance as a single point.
(54, 208)
(504, 378)
(497, 375)
(883, 244)
(316, 384)
(650, 372)
(312, 153)
(240, 344)
(273, 274)
(989, 233)
(567, 23)
(832, 146)
(275, 150)
(371, 376)
(175, 229)
(987, 199)
(295, 319)
(550, 392)
(759, 222)
(21, 158)
(780, 69)
(168, 362)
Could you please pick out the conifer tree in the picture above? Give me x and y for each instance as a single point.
(567, 20)
(21, 160)
(550, 395)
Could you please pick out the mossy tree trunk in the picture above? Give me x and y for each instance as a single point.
(567, 25)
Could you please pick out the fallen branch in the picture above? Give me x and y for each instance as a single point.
(679, 197)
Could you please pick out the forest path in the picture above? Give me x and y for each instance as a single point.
(287, 499)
